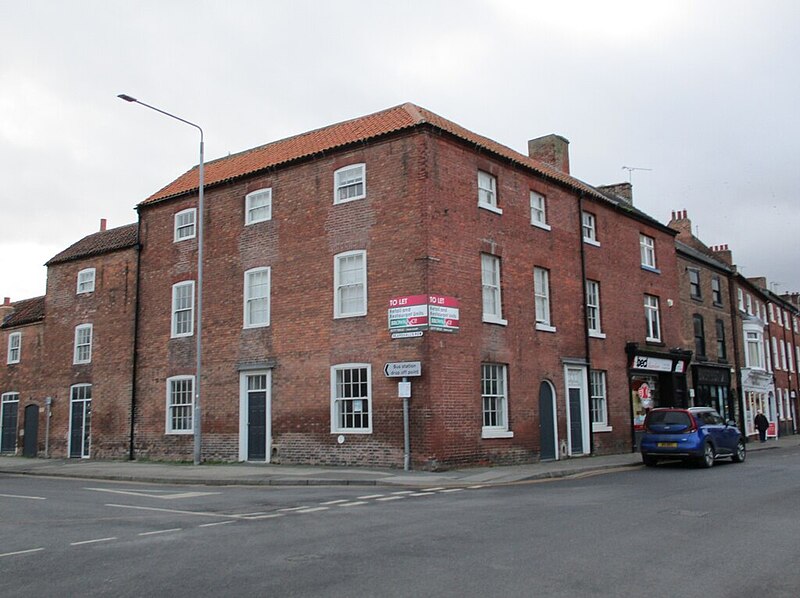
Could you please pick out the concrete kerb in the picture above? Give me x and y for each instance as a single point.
(276, 475)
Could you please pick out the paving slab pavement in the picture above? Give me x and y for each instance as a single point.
(252, 474)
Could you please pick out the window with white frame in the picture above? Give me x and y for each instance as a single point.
(490, 281)
(647, 248)
(785, 320)
(597, 389)
(754, 356)
(541, 289)
(185, 224)
(766, 352)
(258, 206)
(83, 344)
(539, 211)
(351, 398)
(183, 309)
(487, 192)
(589, 228)
(749, 301)
(350, 284)
(350, 183)
(652, 318)
(86, 281)
(797, 355)
(784, 363)
(180, 405)
(771, 310)
(776, 360)
(740, 299)
(14, 347)
(722, 352)
(494, 398)
(593, 308)
(789, 356)
(256, 297)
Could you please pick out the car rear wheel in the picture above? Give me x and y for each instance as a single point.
(649, 460)
(741, 452)
(707, 460)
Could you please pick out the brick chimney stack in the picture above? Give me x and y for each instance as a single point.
(551, 149)
(723, 253)
(681, 223)
(103, 224)
(6, 309)
(622, 190)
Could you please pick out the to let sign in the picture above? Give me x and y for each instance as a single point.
(408, 313)
(443, 313)
(403, 369)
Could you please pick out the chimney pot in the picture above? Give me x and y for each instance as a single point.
(103, 223)
(7, 301)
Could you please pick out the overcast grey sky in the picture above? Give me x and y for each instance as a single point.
(703, 93)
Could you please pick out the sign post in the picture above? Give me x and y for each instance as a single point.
(404, 370)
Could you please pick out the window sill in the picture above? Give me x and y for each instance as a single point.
(589, 241)
(596, 334)
(651, 269)
(179, 433)
(348, 200)
(252, 326)
(490, 207)
(541, 225)
(602, 428)
(359, 431)
(492, 433)
(345, 316)
(545, 327)
(498, 321)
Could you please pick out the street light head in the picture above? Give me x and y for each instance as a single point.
(127, 98)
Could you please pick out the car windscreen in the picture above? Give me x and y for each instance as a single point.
(668, 418)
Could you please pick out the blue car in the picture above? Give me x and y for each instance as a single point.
(696, 434)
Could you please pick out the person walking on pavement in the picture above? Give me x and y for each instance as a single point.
(762, 423)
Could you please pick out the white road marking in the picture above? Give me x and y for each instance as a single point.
(423, 494)
(176, 511)
(369, 497)
(21, 552)
(93, 541)
(432, 489)
(404, 492)
(162, 494)
(21, 496)
(476, 487)
(161, 531)
(391, 498)
(353, 504)
(333, 502)
(271, 516)
(290, 509)
(451, 490)
(313, 510)
(215, 523)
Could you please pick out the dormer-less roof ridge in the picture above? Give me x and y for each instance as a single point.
(359, 130)
(99, 243)
(26, 311)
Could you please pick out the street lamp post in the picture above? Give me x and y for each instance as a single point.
(196, 411)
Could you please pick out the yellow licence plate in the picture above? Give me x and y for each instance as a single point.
(668, 444)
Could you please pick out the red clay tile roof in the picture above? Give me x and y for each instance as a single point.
(405, 116)
(26, 311)
(99, 243)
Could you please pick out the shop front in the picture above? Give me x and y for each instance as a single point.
(712, 388)
(758, 394)
(656, 379)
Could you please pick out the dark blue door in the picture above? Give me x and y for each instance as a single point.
(547, 432)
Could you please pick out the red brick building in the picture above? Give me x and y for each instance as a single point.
(565, 292)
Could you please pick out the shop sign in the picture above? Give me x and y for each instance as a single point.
(408, 313)
(443, 312)
(655, 364)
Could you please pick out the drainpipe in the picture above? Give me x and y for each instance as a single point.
(586, 323)
(134, 360)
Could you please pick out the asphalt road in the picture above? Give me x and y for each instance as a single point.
(729, 531)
